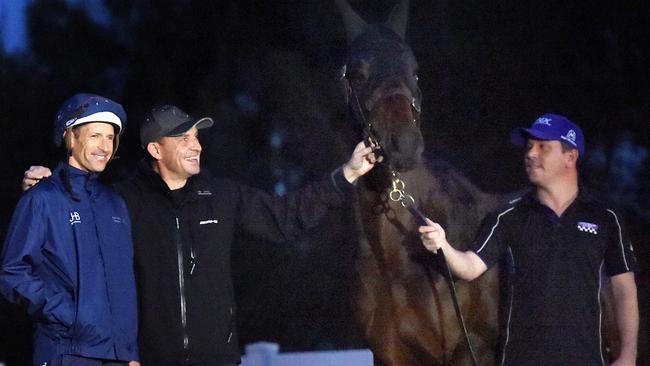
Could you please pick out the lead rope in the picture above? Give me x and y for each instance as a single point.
(398, 194)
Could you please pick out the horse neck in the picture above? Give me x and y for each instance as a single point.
(385, 224)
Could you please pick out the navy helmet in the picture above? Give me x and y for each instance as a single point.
(85, 108)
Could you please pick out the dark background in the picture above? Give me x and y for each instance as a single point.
(267, 72)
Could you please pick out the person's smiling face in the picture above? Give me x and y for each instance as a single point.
(91, 145)
(180, 156)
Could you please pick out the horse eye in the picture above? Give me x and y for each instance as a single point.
(356, 78)
(417, 78)
(343, 72)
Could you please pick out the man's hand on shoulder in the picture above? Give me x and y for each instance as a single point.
(33, 175)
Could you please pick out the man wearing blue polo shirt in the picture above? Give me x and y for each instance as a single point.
(557, 242)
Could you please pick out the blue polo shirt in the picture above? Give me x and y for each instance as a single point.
(555, 268)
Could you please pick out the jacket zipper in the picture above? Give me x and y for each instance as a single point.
(181, 289)
(230, 325)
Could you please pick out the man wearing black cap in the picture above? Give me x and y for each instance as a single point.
(557, 242)
(183, 227)
(68, 254)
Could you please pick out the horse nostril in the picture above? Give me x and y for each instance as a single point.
(406, 142)
(394, 141)
(393, 84)
(401, 141)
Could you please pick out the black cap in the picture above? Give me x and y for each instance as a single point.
(169, 120)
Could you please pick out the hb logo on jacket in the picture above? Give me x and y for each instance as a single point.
(75, 218)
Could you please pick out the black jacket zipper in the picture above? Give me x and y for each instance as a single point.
(181, 290)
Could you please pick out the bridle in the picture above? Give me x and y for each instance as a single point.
(398, 191)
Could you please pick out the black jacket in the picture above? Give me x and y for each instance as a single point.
(182, 243)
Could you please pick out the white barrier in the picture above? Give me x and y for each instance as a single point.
(267, 354)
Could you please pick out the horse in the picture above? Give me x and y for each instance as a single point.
(400, 295)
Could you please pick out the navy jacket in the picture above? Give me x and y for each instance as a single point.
(70, 263)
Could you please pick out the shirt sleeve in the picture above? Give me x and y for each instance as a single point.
(619, 255)
(21, 255)
(282, 218)
(490, 242)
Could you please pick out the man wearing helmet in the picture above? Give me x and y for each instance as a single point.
(68, 254)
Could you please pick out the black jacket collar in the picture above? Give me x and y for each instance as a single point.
(193, 188)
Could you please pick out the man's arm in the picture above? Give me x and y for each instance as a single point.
(466, 265)
(19, 282)
(361, 161)
(627, 316)
(281, 218)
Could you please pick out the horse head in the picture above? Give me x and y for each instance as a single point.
(381, 82)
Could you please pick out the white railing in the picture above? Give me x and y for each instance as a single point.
(267, 354)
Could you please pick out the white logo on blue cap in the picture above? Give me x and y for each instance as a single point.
(543, 121)
(570, 137)
(70, 122)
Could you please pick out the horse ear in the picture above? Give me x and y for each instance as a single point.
(398, 18)
(354, 24)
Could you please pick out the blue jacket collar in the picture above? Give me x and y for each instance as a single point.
(81, 182)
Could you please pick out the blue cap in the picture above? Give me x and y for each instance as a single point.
(85, 108)
(551, 127)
